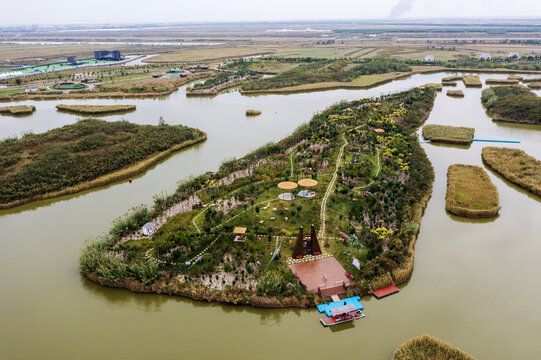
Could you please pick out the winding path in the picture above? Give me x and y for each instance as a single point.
(329, 188)
(375, 176)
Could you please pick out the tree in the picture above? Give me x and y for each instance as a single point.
(161, 121)
(18, 81)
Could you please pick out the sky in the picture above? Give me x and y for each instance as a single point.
(138, 11)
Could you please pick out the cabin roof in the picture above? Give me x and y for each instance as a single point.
(239, 230)
(343, 309)
(148, 225)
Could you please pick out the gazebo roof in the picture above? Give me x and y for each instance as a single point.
(287, 185)
(307, 182)
(239, 230)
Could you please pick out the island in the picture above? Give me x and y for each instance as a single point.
(448, 134)
(84, 155)
(18, 110)
(515, 166)
(470, 193)
(345, 192)
(515, 103)
(427, 347)
(95, 109)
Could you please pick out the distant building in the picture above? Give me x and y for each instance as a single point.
(71, 60)
(107, 55)
(485, 56)
(430, 58)
(513, 55)
(148, 228)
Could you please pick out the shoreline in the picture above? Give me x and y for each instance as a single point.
(122, 174)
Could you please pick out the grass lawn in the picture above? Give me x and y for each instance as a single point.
(470, 193)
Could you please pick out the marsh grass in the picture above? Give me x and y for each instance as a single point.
(253, 112)
(455, 93)
(472, 81)
(427, 347)
(515, 166)
(18, 110)
(437, 86)
(470, 193)
(448, 134)
(501, 81)
(95, 109)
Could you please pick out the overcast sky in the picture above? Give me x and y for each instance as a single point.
(123, 11)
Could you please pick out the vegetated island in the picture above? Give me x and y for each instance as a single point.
(437, 86)
(470, 193)
(515, 104)
(228, 236)
(501, 81)
(427, 347)
(87, 154)
(253, 112)
(469, 80)
(448, 134)
(455, 93)
(95, 109)
(18, 110)
(515, 166)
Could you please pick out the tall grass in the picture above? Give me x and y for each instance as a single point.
(427, 347)
(516, 166)
(455, 93)
(448, 134)
(470, 193)
(18, 110)
(95, 109)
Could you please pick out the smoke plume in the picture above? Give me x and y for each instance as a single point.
(402, 7)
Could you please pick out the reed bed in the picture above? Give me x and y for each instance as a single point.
(252, 112)
(455, 93)
(515, 166)
(501, 81)
(470, 193)
(448, 134)
(381, 281)
(427, 347)
(531, 80)
(437, 86)
(452, 78)
(472, 81)
(535, 85)
(18, 110)
(448, 83)
(95, 109)
(515, 77)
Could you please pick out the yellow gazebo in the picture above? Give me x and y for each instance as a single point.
(287, 186)
(240, 233)
(307, 183)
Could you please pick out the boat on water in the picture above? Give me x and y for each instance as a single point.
(342, 314)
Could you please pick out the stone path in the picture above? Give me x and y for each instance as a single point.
(330, 187)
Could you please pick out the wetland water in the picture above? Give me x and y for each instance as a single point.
(475, 284)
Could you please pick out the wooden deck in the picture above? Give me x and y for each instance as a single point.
(324, 274)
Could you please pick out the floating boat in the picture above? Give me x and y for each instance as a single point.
(342, 314)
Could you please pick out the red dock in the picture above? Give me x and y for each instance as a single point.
(385, 291)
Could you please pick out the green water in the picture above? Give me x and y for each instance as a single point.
(475, 284)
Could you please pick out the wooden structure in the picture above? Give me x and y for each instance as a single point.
(385, 291)
(306, 244)
(287, 186)
(240, 233)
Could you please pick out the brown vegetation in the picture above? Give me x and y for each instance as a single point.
(455, 93)
(253, 112)
(18, 110)
(448, 134)
(427, 347)
(501, 81)
(95, 109)
(515, 166)
(470, 193)
(472, 81)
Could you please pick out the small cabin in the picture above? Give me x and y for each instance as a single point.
(240, 234)
(430, 58)
(513, 55)
(148, 229)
